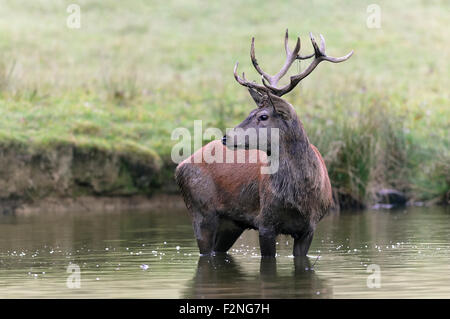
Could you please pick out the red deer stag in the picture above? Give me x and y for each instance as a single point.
(226, 198)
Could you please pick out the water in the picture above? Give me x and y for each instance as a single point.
(154, 255)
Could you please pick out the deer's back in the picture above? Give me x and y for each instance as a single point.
(228, 188)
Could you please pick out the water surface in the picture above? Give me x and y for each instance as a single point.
(153, 254)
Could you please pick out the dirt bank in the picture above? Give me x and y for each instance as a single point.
(39, 176)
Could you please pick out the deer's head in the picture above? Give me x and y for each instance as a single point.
(272, 111)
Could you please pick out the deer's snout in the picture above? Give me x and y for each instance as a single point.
(230, 140)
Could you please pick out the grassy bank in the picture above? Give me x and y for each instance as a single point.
(136, 70)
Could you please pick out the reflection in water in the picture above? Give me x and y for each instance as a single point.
(222, 277)
(153, 254)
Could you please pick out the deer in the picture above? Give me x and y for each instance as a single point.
(224, 199)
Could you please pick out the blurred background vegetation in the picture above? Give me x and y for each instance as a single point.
(137, 69)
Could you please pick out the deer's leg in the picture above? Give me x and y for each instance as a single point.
(302, 243)
(267, 242)
(205, 229)
(268, 268)
(227, 234)
(301, 264)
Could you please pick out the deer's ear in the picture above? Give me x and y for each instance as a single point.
(257, 97)
(282, 107)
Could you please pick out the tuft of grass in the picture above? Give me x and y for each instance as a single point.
(369, 147)
(6, 71)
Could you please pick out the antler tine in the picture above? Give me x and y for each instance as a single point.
(243, 81)
(290, 58)
(299, 57)
(322, 44)
(330, 58)
(317, 51)
(255, 62)
(286, 42)
(305, 57)
(320, 56)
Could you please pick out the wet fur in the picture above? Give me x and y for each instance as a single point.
(224, 199)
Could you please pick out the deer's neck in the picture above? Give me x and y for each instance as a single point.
(296, 179)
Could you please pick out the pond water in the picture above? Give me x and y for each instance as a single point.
(369, 254)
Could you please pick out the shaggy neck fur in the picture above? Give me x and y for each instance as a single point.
(296, 181)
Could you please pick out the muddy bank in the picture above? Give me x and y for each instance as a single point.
(41, 175)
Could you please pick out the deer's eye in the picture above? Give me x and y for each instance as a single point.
(263, 117)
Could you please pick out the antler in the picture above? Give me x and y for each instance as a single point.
(291, 56)
(319, 56)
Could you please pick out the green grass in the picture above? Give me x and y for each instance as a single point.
(136, 70)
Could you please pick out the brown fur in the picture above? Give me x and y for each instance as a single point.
(229, 193)
(326, 185)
